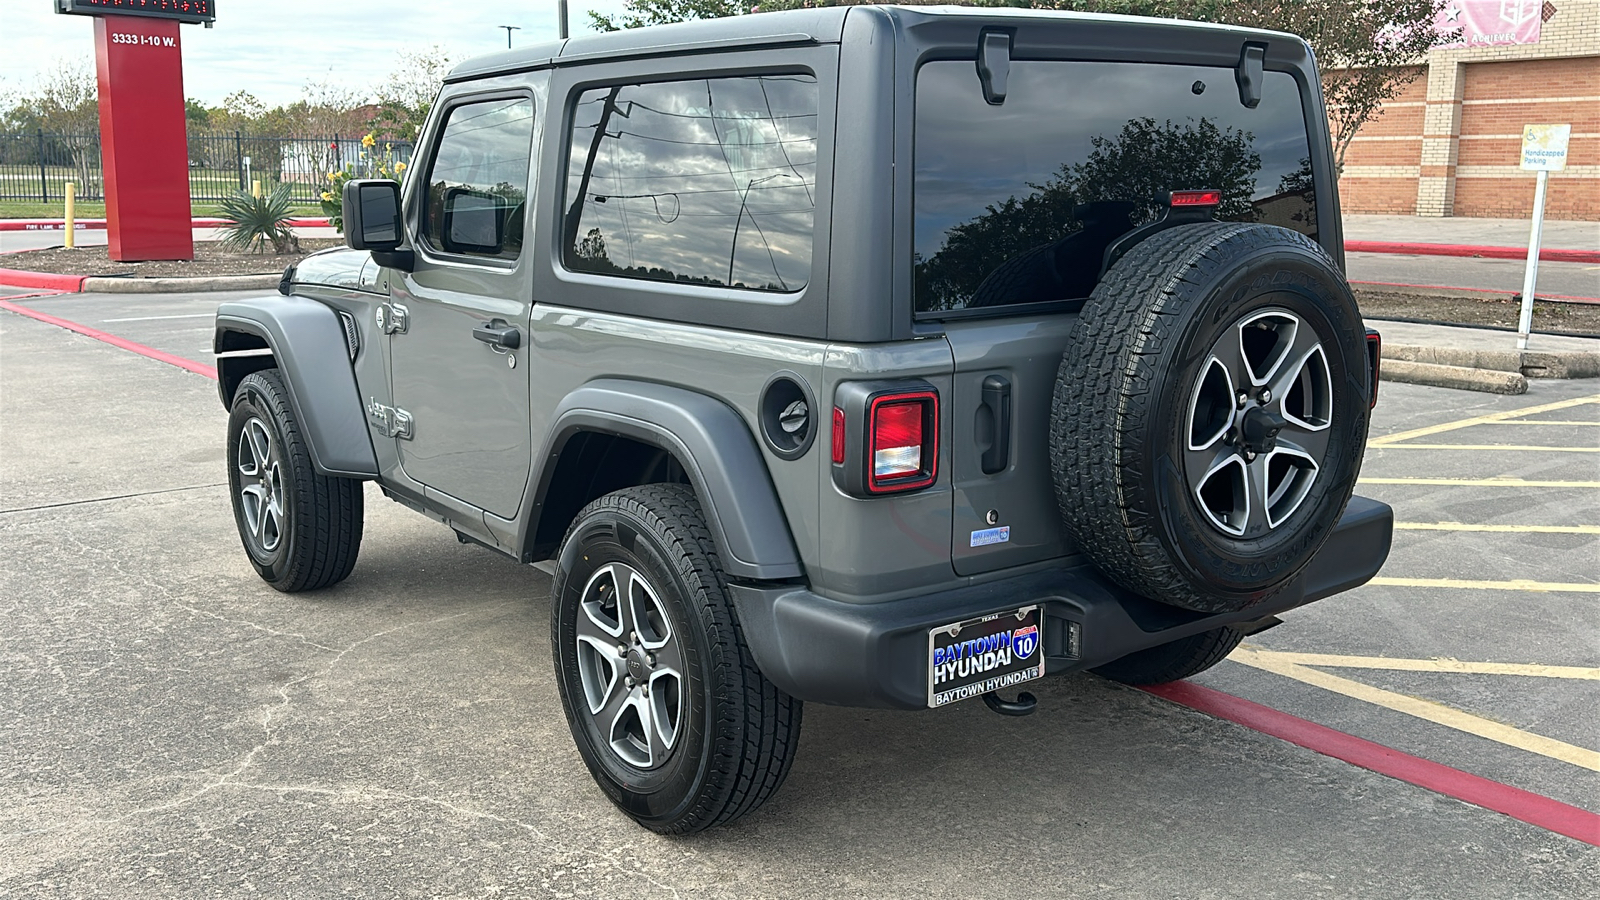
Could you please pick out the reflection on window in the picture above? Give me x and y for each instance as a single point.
(710, 181)
(478, 185)
(1017, 203)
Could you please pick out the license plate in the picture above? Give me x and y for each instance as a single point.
(971, 658)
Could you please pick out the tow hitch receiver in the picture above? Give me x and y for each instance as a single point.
(1024, 705)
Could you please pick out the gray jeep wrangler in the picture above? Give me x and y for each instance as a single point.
(870, 356)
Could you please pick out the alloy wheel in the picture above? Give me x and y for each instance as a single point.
(260, 486)
(631, 666)
(1257, 429)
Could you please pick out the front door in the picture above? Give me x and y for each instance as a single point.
(459, 321)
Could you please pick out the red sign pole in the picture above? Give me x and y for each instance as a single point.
(144, 150)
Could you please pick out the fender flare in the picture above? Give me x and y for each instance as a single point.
(307, 341)
(716, 449)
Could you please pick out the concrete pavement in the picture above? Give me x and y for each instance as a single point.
(174, 728)
(1491, 232)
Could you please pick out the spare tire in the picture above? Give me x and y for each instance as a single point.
(1210, 414)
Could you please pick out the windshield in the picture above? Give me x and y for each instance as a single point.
(1016, 203)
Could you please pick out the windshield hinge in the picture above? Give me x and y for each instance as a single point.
(1250, 73)
(390, 421)
(994, 65)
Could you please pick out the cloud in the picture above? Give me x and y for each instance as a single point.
(273, 49)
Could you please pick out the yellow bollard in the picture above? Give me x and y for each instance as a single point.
(71, 223)
(255, 189)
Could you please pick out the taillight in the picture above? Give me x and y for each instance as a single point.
(838, 435)
(1374, 359)
(902, 437)
(1194, 198)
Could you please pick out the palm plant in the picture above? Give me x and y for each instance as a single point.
(257, 220)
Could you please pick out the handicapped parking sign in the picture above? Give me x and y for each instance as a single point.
(1544, 147)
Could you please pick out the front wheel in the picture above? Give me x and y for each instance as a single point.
(669, 712)
(301, 529)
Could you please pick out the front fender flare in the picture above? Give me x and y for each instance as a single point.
(715, 448)
(308, 344)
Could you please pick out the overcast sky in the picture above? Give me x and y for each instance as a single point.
(272, 48)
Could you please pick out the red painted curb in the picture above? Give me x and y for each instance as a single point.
(1547, 254)
(120, 343)
(18, 278)
(100, 224)
(1535, 809)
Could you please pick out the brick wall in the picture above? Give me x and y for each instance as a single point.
(1449, 144)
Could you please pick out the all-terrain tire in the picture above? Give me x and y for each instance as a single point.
(737, 733)
(303, 531)
(1173, 661)
(1125, 400)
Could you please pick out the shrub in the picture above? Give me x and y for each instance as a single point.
(257, 220)
(373, 163)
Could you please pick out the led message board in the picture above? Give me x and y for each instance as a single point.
(181, 10)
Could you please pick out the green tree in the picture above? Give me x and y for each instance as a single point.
(405, 98)
(663, 12)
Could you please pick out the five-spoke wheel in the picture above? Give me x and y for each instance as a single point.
(261, 486)
(1257, 428)
(630, 665)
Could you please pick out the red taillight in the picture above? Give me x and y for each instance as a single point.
(902, 432)
(1194, 198)
(838, 435)
(1374, 360)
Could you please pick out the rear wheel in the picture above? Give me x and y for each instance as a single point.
(1173, 661)
(668, 710)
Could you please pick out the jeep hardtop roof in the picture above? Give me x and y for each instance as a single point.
(815, 26)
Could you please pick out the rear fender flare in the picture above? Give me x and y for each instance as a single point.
(308, 345)
(715, 448)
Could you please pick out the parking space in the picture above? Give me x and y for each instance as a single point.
(1478, 644)
(175, 728)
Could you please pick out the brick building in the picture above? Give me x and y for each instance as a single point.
(1449, 145)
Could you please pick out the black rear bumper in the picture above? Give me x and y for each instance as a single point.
(876, 654)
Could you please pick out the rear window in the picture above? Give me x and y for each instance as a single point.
(1016, 203)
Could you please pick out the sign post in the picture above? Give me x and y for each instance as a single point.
(144, 150)
(1544, 150)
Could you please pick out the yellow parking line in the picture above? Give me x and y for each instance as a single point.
(1541, 422)
(1511, 529)
(1523, 447)
(1481, 482)
(1515, 584)
(1427, 710)
(1387, 439)
(1401, 664)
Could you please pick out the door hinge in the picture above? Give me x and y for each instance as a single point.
(389, 420)
(392, 318)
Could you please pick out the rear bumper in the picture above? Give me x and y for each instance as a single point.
(849, 654)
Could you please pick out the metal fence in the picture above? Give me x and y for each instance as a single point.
(37, 165)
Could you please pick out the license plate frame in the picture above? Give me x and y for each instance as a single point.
(990, 649)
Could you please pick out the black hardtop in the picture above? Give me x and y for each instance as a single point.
(818, 26)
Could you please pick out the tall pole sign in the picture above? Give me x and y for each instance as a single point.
(1544, 150)
(144, 151)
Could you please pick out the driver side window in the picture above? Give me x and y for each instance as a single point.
(478, 183)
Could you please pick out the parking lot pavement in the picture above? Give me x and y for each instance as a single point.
(174, 728)
(1503, 275)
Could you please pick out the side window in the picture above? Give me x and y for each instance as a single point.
(478, 182)
(708, 181)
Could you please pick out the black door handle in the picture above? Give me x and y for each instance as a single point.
(498, 333)
(997, 401)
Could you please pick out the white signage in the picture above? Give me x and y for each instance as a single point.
(1544, 147)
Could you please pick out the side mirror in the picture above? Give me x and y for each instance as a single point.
(371, 208)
